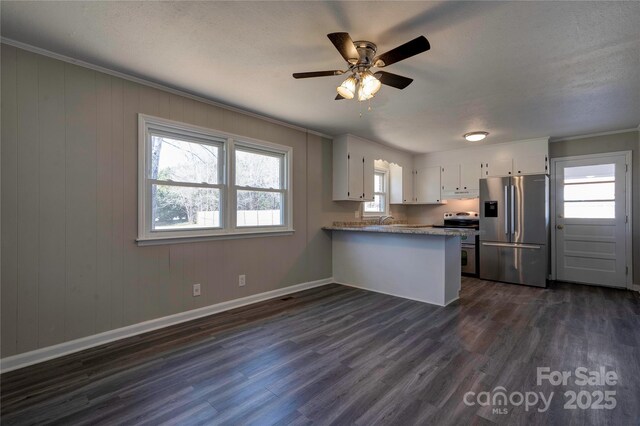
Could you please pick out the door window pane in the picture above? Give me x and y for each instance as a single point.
(589, 174)
(590, 191)
(259, 208)
(258, 170)
(179, 207)
(590, 209)
(182, 161)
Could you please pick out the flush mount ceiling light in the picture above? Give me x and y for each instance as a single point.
(362, 84)
(475, 136)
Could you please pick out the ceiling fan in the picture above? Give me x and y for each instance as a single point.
(360, 56)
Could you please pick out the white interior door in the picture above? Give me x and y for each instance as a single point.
(590, 220)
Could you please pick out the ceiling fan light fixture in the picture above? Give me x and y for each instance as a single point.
(475, 136)
(348, 88)
(369, 86)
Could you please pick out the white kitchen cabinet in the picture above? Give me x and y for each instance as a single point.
(460, 181)
(458, 177)
(496, 168)
(395, 184)
(531, 164)
(470, 176)
(400, 185)
(521, 164)
(353, 170)
(368, 171)
(450, 177)
(408, 185)
(427, 185)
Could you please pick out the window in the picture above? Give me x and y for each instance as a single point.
(259, 187)
(380, 204)
(183, 183)
(589, 192)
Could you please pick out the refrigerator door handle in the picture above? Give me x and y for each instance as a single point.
(524, 246)
(513, 210)
(506, 212)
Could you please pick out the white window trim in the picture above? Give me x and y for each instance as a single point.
(386, 196)
(228, 141)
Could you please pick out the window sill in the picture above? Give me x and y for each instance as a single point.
(222, 236)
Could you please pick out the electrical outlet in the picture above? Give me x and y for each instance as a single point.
(196, 290)
(242, 280)
(356, 214)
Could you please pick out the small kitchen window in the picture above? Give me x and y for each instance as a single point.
(380, 204)
(200, 183)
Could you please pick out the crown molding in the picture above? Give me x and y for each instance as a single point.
(592, 135)
(155, 85)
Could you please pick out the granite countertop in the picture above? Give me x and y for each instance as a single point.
(402, 229)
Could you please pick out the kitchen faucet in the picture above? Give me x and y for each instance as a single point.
(383, 218)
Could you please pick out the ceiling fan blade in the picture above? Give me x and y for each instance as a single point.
(344, 44)
(393, 80)
(317, 74)
(339, 97)
(407, 50)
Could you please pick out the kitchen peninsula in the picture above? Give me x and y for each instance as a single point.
(416, 262)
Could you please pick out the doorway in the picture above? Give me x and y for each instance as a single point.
(591, 211)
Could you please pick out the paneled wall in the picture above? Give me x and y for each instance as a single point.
(70, 263)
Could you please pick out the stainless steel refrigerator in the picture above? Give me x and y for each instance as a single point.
(514, 229)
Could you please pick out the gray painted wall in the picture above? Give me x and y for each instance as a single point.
(628, 141)
(70, 264)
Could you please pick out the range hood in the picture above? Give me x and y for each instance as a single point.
(460, 194)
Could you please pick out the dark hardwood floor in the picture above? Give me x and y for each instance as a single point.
(338, 355)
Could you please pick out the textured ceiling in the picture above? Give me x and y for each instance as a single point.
(519, 70)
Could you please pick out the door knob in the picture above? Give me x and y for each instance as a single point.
(559, 227)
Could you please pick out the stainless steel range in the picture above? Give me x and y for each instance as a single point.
(469, 245)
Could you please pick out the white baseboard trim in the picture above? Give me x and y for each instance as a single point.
(394, 295)
(50, 352)
(635, 287)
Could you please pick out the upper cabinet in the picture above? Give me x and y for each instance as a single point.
(520, 164)
(400, 185)
(427, 182)
(531, 164)
(470, 175)
(496, 168)
(353, 169)
(430, 178)
(450, 177)
(460, 180)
